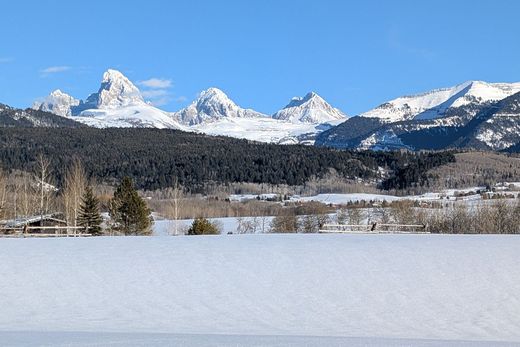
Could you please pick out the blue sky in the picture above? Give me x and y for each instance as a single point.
(356, 54)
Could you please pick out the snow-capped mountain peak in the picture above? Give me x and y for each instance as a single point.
(58, 103)
(118, 103)
(214, 96)
(115, 91)
(312, 109)
(298, 100)
(213, 104)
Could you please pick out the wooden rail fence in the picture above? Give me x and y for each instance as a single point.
(25, 231)
(375, 228)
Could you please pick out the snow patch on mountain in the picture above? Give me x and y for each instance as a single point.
(310, 109)
(383, 141)
(500, 131)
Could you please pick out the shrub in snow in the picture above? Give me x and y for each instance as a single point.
(285, 223)
(202, 226)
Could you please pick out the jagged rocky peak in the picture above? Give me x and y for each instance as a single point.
(312, 108)
(115, 91)
(213, 104)
(58, 103)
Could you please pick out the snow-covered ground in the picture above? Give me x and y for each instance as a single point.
(450, 194)
(128, 117)
(281, 290)
(257, 129)
(340, 199)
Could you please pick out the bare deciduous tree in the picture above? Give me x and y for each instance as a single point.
(74, 187)
(43, 174)
(3, 193)
(355, 216)
(174, 196)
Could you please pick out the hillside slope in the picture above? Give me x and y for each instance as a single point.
(29, 118)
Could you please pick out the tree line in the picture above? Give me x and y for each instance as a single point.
(157, 159)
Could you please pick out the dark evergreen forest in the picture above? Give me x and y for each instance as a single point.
(155, 158)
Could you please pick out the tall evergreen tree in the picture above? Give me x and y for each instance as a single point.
(129, 211)
(88, 214)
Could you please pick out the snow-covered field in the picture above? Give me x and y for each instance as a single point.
(281, 290)
(340, 199)
(447, 194)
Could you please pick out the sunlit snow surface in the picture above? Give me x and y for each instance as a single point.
(247, 290)
(140, 116)
(259, 129)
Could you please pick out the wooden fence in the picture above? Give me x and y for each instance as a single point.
(375, 228)
(26, 231)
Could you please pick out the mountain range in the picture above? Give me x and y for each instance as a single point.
(119, 103)
(473, 114)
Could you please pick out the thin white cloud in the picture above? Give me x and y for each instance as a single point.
(156, 83)
(161, 101)
(154, 93)
(5, 60)
(54, 69)
(181, 98)
(51, 70)
(157, 91)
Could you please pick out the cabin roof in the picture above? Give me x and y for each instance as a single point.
(20, 222)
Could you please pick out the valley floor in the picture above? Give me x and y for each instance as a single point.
(281, 290)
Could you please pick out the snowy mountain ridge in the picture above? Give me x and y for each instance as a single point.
(477, 121)
(435, 103)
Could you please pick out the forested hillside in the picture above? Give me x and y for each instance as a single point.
(28, 118)
(156, 158)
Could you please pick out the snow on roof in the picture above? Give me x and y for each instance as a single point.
(19, 222)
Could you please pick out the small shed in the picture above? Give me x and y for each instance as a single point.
(40, 224)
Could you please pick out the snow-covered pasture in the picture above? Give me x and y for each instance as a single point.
(465, 194)
(358, 290)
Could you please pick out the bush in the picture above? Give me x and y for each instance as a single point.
(202, 226)
(285, 223)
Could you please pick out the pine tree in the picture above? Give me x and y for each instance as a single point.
(129, 211)
(88, 214)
